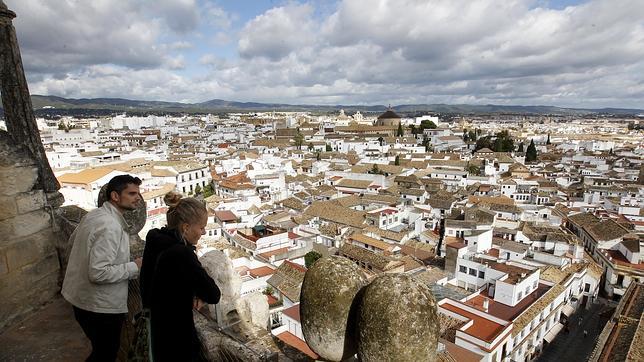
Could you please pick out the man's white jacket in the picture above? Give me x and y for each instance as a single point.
(99, 264)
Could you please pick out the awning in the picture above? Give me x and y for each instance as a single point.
(568, 310)
(553, 332)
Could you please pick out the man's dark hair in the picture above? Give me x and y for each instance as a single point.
(119, 183)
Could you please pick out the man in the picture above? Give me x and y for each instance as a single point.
(99, 267)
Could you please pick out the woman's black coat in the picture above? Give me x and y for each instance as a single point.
(171, 277)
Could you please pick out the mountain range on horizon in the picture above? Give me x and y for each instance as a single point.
(59, 105)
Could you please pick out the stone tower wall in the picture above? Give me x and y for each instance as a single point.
(29, 263)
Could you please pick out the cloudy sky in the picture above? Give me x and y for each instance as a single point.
(575, 53)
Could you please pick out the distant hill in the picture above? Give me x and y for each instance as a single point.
(101, 106)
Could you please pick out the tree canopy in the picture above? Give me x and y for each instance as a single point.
(500, 142)
(311, 257)
(531, 152)
(299, 139)
(427, 124)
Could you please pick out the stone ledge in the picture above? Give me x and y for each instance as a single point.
(8, 208)
(24, 225)
(16, 180)
(29, 249)
(30, 201)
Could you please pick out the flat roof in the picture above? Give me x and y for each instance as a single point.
(504, 311)
(482, 328)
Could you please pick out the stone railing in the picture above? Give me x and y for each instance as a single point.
(344, 314)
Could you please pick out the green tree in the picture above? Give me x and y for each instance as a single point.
(328, 148)
(197, 189)
(484, 142)
(317, 156)
(208, 191)
(310, 147)
(473, 169)
(299, 139)
(531, 152)
(311, 257)
(381, 141)
(427, 124)
(466, 136)
(472, 135)
(375, 170)
(548, 140)
(399, 132)
(413, 129)
(520, 147)
(503, 142)
(426, 143)
(397, 160)
(269, 290)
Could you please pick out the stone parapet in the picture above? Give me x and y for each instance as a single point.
(29, 262)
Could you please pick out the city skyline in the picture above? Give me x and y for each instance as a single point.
(560, 53)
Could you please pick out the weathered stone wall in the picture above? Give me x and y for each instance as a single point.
(29, 263)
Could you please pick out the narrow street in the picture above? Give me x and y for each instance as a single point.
(573, 346)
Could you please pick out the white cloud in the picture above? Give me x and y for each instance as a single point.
(277, 32)
(366, 51)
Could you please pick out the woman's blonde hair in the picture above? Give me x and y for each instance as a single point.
(183, 209)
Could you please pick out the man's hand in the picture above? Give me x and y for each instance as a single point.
(138, 262)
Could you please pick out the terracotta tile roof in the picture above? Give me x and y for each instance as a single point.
(620, 260)
(354, 184)
(331, 212)
(297, 343)
(377, 261)
(606, 230)
(293, 312)
(262, 271)
(387, 234)
(583, 219)
(225, 215)
(347, 201)
(288, 280)
(378, 244)
(530, 313)
(293, 203)
(235, 186)
(149, 195)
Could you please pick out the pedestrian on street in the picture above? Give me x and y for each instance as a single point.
(96, 280)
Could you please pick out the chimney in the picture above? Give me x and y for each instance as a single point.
(486, 304)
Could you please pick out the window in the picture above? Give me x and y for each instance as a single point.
(462, 269)
(527, 290)
(536, 282)
(520, 295)
(481, 274)
(473, 272)
(587, 288)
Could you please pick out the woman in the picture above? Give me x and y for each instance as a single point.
(173, 281)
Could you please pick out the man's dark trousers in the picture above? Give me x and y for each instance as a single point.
(103, 330)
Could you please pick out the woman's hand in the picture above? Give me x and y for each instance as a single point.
(197, 304)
